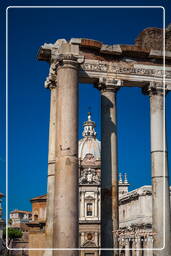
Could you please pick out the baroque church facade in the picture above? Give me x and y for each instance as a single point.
(89, 188)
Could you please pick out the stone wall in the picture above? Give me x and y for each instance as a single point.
(36, 240)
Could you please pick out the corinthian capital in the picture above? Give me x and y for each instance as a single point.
(50, 81)
(108, 84)
(155, 88)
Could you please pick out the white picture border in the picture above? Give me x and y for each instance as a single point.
(77, 7)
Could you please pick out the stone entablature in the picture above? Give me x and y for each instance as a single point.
(129, 67)
(134, 65)
(127, 71)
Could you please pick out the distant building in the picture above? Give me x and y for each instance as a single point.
(135, 220)
(39, 208)
(19, 219)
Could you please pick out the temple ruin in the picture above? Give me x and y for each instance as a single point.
(147, 65)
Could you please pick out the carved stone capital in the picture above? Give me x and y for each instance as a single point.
(108, 84)
(69, 60)
(50, 81)
(155, 88)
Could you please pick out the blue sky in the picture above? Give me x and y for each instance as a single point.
(28, 100)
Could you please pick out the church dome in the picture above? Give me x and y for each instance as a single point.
(89, 144)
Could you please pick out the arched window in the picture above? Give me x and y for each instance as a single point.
(35, 216)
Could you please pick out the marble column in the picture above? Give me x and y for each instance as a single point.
(109, 168)
(66, 210)
(161, 224)
(50, 83)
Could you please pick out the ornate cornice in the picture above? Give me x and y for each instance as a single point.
(108, 65)
(134, 195)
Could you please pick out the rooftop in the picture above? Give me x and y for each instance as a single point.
(20, 211)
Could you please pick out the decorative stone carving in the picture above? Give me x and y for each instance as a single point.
(89, 176)
(89, 244)
(106, 68)
(150, 38)
(154, 88)
(89, 159)
(51, 79)
(108, 84)
(89, 236)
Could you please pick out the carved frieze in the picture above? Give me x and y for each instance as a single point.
(124, 68)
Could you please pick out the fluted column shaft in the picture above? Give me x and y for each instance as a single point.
(160, 187)
(109, 170)
(66, 178)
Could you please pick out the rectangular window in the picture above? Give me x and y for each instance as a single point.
(89, 209)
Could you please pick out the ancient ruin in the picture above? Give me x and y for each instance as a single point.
(108, 68)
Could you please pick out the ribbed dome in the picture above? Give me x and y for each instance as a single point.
(89, 144)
